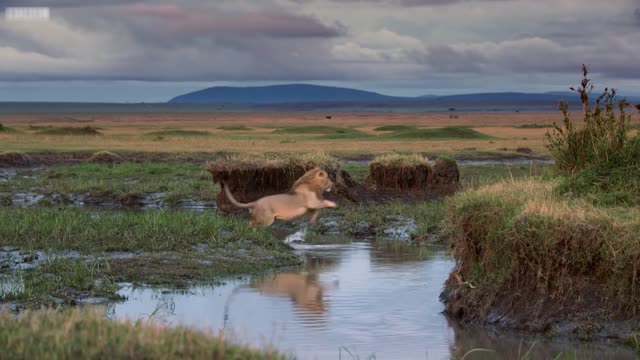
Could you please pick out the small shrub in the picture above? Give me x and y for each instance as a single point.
(105, 157)
(600, 158)
(602, 138)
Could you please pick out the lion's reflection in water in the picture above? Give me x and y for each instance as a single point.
(306, 291)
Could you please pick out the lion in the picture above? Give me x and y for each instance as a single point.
(305, 194)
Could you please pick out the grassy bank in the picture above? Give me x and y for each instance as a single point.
(119, 182)
(159, 247)
(536, 258)
(90, 335)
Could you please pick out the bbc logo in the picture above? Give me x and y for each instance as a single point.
(27, 13)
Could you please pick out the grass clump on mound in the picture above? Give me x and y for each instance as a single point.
(248, 161)
(314, 129)
(400, 160)
(445, 133)
(523, 251)
(14, 158)
(105, 157)
(599, 158)
(326, 132)
(185, 133)
(395, 128)
(70, 130)
(5, 129)
(235, 128)
(89, 334)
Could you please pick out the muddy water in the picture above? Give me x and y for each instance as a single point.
(352, 301)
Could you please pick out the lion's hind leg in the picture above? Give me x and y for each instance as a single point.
(262, 217)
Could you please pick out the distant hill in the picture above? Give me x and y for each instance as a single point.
(298, 94)
(292, 93)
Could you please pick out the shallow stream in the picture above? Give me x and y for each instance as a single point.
(349, 301)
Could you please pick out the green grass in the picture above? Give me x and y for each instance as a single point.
(171, 247)
(473, 176)
(235, 128)
(326, 132)
(395, 128)
(7, 130)
(177, 180)
(446, 133)
(314, 129)
(184, 133)
(89, 334)
(94, 232)
(62, 279)
(400, 160)
(69, 130)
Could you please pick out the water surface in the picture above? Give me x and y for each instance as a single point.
(350, 301)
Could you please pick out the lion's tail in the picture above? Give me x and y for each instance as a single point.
(233, 200)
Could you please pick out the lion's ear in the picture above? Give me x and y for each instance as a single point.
(322, 174)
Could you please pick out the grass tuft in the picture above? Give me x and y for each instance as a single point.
(89, 334)
(70, 130)
(185, 133)
(395, 128)
(235, 128)
(408, 160)
(446, 133)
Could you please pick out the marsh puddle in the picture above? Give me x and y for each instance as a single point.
(351, 301)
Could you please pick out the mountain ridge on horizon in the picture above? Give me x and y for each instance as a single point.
(309, 93)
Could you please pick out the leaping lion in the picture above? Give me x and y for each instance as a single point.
(305, 194)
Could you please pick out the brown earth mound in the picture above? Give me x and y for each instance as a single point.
(14, 159)
(399, 177)
(412, 180)
(444, 178)
(105, 157)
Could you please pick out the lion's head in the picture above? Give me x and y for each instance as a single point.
(316, 179)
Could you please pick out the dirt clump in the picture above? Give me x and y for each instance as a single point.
(412, 177)
(445, 177)
(14, 159)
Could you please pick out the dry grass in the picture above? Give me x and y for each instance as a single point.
(90, 334)
(527, 250)
(400, 160)
(125, 132)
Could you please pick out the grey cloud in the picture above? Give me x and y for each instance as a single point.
(63, 3)
(636, 16)
(169, 42)
(408, 3)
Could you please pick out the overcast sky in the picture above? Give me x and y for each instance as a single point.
(131, 50)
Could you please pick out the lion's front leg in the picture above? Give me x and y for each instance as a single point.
(314, 215)
(319, 204)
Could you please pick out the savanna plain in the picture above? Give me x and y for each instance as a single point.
(541, 234)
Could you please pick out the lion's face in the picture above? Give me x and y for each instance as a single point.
(324, 180)
(316, 179)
